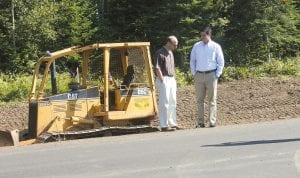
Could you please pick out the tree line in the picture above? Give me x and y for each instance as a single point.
(250, 32)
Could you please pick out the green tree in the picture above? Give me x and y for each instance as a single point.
(7, 37)
(259, 30)
(250, 32)
(40, 26)
(135, 20)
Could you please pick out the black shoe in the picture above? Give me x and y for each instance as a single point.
(200, 126)
(167, 129)
(212, 125)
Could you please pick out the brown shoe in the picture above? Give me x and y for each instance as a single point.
(200, 126)
(176, 127)
(167, 129)
(212, 125)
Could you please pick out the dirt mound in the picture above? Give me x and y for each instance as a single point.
(241, 101)
(246, 101)
(14, 116)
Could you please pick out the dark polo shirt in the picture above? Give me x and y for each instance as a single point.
(164, 60)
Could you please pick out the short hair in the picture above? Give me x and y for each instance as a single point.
(207, 30)
(171, 38)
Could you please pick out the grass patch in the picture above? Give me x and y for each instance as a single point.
(275, 68)
(184, 78)
(16, 88)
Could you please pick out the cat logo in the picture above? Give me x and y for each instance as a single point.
(72, 96)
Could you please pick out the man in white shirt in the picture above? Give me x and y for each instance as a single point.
(207, 63)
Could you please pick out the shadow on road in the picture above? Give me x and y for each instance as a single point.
(256, 142)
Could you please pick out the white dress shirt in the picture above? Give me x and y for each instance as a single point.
(207, 56)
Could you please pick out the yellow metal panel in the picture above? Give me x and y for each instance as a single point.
(70, 108)
(41, 89)
(124, 59)
(44, 116)
(64, 52)
(35, 77)
(106, 74)
(128, 44)
(134, 103)
(59, 125)
(77, 108)
(119, 100)
(93, 106)
(27, 142)
(147, 58)
(85, 67)
(89, 47)
(140, 103)
(124, 115)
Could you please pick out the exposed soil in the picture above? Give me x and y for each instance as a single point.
(14, 116)
(240, 101)
(245, 101)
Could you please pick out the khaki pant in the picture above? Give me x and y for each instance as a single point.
(206, 83)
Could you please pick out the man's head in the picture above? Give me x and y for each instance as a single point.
(171, 43)
(206, 34)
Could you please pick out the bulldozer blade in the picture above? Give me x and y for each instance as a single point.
(9, 138)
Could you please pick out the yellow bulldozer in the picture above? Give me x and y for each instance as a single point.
(110, 91)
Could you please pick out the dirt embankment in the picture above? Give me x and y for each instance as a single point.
(242, 101)
(246, 101)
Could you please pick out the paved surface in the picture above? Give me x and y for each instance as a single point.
(254, 150)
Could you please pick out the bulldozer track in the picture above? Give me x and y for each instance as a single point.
(100, 132)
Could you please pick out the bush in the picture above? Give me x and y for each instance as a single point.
(184, 78)
(274, 68)
(288, 67)
(235, 73)
(14, 87)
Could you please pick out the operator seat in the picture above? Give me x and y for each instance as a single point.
(129, 77)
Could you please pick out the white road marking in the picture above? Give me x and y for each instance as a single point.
(297, 160)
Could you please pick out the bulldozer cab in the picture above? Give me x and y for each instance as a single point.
(81, 88)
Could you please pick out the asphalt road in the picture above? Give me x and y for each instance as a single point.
(255, 150)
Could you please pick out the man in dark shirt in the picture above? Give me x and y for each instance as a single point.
(166, 84)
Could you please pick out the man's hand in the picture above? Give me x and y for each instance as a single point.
(159, 75)
(161, 80)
